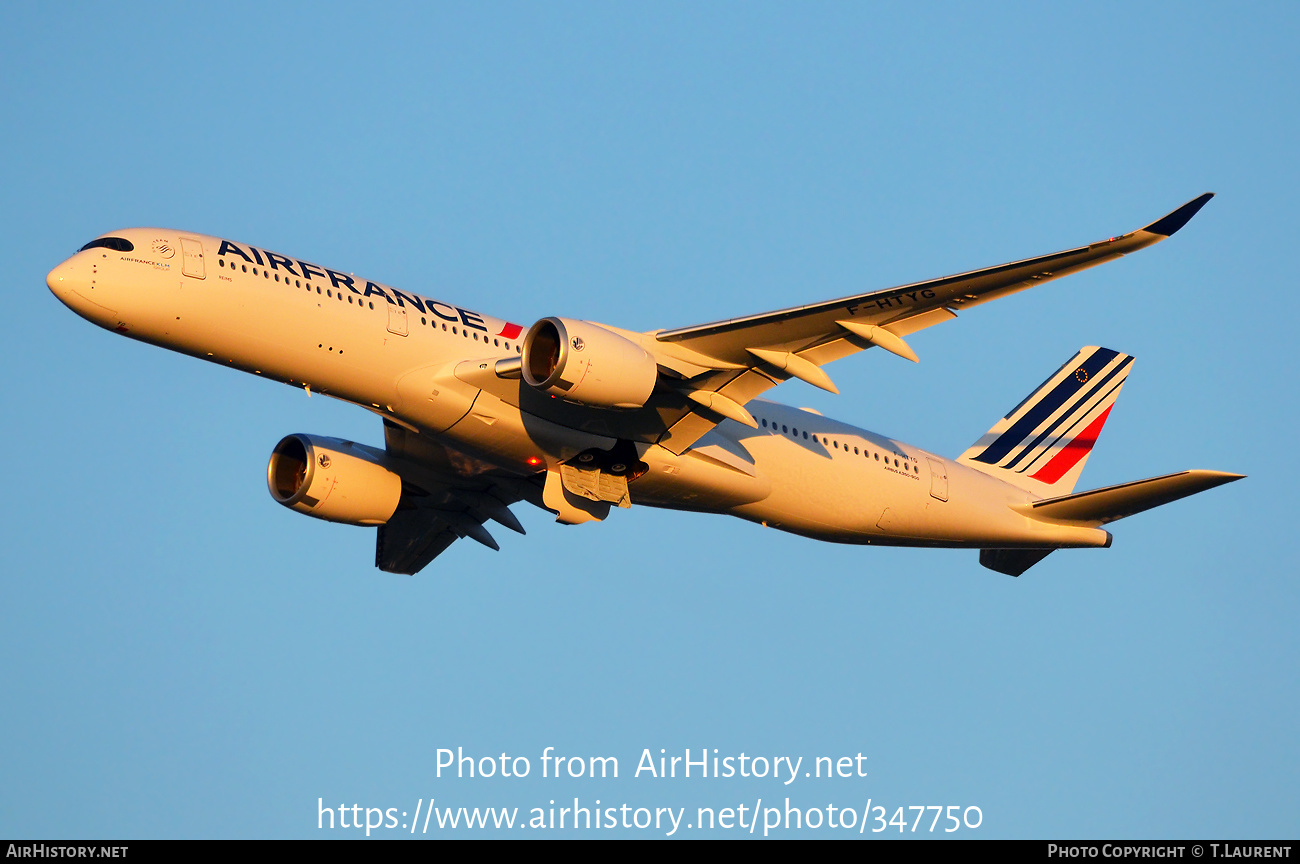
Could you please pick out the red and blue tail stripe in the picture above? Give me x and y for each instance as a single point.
(1045, 439)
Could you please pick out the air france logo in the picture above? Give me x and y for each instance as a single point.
(163, 248)
(578, 344)
(324, 460)
(272, 263)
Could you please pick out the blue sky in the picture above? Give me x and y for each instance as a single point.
(182, 657)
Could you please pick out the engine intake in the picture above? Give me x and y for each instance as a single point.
(332, 479)
(587, 363)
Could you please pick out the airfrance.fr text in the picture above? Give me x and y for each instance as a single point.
(873, 818)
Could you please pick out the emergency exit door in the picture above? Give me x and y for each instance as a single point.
(397, 320)
(938, 480)
(192, 257)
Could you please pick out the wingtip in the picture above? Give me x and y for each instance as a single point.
(1217, 478)
(1170, 224)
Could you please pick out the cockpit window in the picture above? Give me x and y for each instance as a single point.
(117, 244)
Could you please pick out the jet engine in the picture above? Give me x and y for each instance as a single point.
(587, 363)
(331, 479)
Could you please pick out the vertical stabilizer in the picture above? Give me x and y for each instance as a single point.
(1043, 444)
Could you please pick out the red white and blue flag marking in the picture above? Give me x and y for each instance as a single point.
(1049, 435)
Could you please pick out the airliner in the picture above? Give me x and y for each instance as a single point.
(578, 417)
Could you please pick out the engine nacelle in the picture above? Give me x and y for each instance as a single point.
(584, 362)
(333, 480)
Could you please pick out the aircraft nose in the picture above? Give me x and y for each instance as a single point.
(60, 280)
(74, 285)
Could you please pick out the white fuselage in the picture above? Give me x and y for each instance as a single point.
(427, 364)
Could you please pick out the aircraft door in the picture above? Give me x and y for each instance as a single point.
(397, 320)
(192, 257)
(938, 480)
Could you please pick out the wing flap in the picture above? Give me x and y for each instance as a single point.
(445, 496)
(410, 541)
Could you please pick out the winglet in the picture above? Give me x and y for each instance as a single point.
(1180, 217)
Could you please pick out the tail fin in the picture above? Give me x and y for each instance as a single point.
(1043, 443)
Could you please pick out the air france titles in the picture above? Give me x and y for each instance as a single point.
(305, 271)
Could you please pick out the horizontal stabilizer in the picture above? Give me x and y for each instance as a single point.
(1101, 506)
(1012, 562)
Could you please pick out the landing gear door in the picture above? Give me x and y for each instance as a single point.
(938, 480)
(397, 320)
(192, 257)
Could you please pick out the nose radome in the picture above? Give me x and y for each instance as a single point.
(71, 282)
(61, 279)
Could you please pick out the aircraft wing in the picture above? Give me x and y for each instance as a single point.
(445, 496)
(739, 358)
